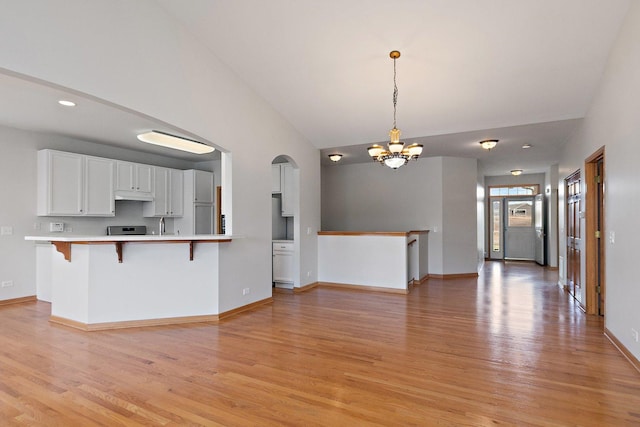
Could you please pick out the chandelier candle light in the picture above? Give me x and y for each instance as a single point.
(396, 154)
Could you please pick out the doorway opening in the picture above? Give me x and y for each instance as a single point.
(516, 224)
(284, 224)
(595, 232)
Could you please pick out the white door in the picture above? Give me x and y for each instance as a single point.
(519, 234)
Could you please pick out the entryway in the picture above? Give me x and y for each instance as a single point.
(516, 223)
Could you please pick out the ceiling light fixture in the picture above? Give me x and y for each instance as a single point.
(176, 142)
(525, 146)
(335, 157)
(396, 154)
(516, 172)
(67, 103)
(488, 144)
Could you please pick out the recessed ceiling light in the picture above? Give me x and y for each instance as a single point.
(525, 146)
(67, 103)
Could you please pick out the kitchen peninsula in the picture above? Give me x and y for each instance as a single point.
(106, 282)
(375, 260)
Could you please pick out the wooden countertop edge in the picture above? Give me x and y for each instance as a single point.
(371, 233)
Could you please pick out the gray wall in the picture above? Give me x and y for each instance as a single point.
(438, 194)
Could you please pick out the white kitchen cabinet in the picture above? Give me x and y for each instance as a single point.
(71, 184)
(134, 177)
(176, 193)
(198, 203)
(167, 194)
(202, 184)
(283, 262)
(275, 178)
(288, 191)
(99, 187)
(60, 183)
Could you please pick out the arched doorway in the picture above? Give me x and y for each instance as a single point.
(284, 206)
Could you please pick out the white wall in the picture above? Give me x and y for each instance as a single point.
(369, 197)
(135, 55)
(613, 121)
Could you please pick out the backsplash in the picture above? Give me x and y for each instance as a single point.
(127, 213)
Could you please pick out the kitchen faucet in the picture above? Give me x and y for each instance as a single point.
(161, 229)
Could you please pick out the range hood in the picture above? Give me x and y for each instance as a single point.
(133, 195)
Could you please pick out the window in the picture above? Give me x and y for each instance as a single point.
(520, 213)
(514, 190)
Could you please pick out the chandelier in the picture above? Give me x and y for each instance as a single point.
(396, 154)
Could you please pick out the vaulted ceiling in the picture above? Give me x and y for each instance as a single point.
(523, 72)
(518, 71)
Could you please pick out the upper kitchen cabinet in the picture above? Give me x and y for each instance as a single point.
(288, 194)
(198, 186)
(72, 184)
(276, 186)
(282, 183)
(168, 194)
(134, 178)
(99, 187)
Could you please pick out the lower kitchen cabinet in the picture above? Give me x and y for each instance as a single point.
(283, 263)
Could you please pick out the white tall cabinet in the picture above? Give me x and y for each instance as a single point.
(198, 215)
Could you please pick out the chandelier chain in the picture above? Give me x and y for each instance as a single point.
(395, 93)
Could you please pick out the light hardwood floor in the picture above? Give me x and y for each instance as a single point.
(508, 348)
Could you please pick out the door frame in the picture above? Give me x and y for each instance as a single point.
(591, 226)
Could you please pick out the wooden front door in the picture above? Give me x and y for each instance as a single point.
(574, 235)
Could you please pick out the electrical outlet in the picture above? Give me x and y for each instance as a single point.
(56, 227)
(634, 334)
(246, 291)
(6, 283)
(6, 230)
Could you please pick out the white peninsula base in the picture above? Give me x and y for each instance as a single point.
(156, 282)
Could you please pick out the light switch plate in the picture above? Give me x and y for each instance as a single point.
(6, 230)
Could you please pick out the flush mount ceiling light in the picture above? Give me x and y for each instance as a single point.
(525, 146)
(516, 172)
(176, 142)
(335, 157)
(488, 144)
(67, 103)
(396, 154)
